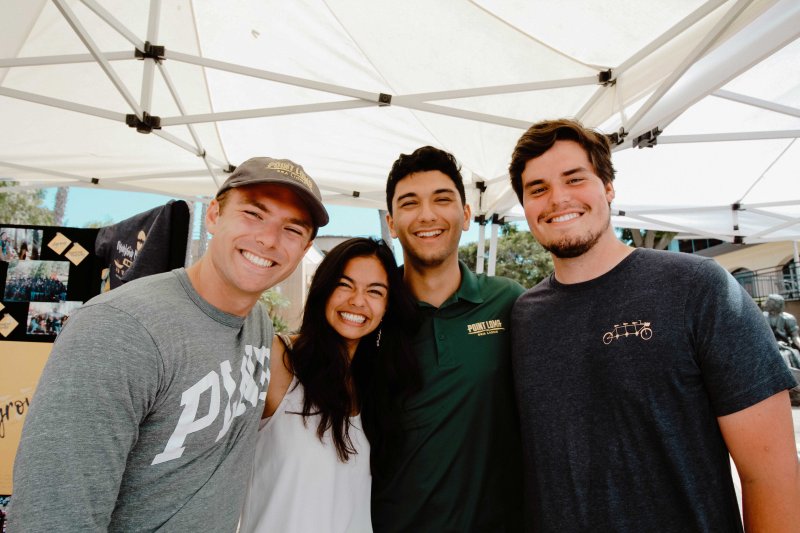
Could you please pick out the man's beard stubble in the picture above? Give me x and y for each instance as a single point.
(567, 248)
(428, 262)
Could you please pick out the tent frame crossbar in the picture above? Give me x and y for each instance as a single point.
(732, 136)
(26, 168)
(644, 53)
(148, 78)
(67, 59)
(63, 104)
(159, 175)
(677, 29)
(773, 229)
(208, 160)
(770, 214)
(120, 28)
(468, 115)
(74, 181)
(757, 102)
(498, 89)
(699, 50)
(755, 207)
(787, 221)
(411, 101)
(84, 36)
(222, 116)
(271, 76)
(676, 227)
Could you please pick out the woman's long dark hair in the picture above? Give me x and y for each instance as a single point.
(383, 376)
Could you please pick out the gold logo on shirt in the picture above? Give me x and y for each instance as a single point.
(486, 327)
(637, 328)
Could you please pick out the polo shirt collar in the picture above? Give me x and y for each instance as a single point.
(468, 290)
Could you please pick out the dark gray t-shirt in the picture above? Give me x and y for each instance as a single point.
(145, 415)
(620, 381)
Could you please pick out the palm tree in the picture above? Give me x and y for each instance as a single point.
(61, 205)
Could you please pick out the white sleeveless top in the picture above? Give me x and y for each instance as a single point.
(299, 484)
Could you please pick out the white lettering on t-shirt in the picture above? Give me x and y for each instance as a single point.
(262, 356)
(230, 387)
(249, 392)
(190, 400)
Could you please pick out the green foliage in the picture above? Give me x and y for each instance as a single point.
(23, 207)
(519, 257)
(100, 223)
(274, 302)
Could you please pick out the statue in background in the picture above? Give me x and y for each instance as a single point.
(784, 327)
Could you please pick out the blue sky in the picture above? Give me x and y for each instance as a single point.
(92, 205)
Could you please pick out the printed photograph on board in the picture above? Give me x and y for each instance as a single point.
(37, 281)
(46, 318)
(20, 244)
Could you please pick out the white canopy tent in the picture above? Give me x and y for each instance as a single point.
(166, 96)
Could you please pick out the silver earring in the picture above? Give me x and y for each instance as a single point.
(378, 339)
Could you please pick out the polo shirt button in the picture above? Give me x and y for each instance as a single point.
(441, 337)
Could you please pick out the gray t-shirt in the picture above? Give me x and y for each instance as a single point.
(619, 383)
(145, 415)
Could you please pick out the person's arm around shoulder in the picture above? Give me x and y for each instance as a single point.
(280, 376)
(761, 441)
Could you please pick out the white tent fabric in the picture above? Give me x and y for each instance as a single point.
(343, 87)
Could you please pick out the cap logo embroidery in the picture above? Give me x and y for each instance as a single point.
(291, 171)
(486, 327)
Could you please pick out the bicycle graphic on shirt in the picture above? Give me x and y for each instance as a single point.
(626, 329)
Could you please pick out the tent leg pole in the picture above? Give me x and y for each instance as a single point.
(481, 247)
(493, 250)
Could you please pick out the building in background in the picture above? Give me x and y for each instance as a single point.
(762, 269)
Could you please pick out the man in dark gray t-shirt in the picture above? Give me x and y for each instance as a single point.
(637, 372)
(146, 413)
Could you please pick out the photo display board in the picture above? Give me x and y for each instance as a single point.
(45, 273)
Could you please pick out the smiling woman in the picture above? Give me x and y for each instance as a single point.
(358, 302)
(331, 415)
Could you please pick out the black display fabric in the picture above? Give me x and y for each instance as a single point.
(145, 244)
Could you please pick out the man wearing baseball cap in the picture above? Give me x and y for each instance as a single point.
(146, 411)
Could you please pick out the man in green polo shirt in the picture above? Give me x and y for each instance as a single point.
(459, 467)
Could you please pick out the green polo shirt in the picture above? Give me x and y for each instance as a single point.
(460, 467)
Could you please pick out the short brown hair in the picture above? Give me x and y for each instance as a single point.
(424, 159)
(543, 135)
